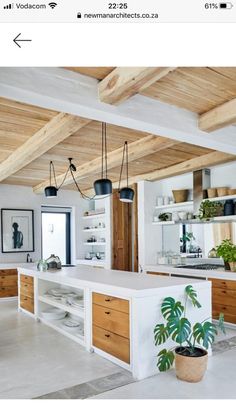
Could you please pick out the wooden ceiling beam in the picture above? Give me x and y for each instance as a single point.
(55, 131)
(124, 82)
(218, 117)
(211, 159)
(144, 146)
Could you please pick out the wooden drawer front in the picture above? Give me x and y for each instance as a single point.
(111, 343)
(8, 281)
(7, 272)
(9, 291)
(158, 273)
(111, 302)
(221, 283)
(27, 303)
(27, 279)
(27, 289)
(224, 297)
(113, 320)
(228, 311)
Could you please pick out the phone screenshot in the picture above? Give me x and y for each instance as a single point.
(118, 208)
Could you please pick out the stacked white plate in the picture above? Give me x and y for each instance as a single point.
(61, 292)
(76, 301)
(53, 314)
(71, 325)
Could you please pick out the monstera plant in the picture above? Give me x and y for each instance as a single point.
(193, 340)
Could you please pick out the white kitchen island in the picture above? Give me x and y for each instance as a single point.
(119, 310)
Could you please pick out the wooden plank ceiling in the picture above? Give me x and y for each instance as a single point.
(195, 89)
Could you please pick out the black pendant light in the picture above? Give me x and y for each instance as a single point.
(51, 191)
(103, 186)
(126, 193)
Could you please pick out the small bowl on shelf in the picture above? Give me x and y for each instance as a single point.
(211, 192)
(222, 191)
(180, 195)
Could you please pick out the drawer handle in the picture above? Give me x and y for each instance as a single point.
(107, 336)
(25, 299)
(107, 312)
(107, 300)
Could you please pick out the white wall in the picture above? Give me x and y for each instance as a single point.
(153, 238)
(23, 198)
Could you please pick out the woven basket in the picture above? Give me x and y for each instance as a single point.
(180, 195)
(211, 192)
(232, 192)
(191, 369)
(222, 191)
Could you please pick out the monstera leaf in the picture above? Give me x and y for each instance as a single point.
(179, 329)
(161, 334)
(171, 308)
(192, 294)
(165, 360)
(221, 324)
(205, 333)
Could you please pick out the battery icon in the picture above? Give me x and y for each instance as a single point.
(227, 5)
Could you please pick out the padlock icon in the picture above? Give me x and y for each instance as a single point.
(79, 16)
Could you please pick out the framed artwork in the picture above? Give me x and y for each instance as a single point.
(17, 230)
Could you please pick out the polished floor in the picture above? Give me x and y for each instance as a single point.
(38, 362)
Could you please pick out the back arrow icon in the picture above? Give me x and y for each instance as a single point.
(17, 40)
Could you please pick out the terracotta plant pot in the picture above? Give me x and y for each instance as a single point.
(180, 195)
(190, 368)
(232, 266)
(222, 191)
(211, 192)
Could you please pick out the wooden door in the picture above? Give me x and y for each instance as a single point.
(122, 234)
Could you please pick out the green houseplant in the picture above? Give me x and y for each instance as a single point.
(209, 209)
(193, 340)
(227, 251)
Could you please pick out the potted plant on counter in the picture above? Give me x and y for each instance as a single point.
(210, 209)
(227, 251)
(193, 340)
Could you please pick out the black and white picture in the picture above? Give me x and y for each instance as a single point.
(17, 230)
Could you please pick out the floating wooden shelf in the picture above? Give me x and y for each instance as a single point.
(175, 205)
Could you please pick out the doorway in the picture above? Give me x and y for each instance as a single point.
(56, 234)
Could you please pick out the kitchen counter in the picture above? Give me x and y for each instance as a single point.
(15, 265)
(171, 269)
(126, 283)
(119, 313)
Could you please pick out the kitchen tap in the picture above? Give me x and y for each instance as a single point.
(28, 258)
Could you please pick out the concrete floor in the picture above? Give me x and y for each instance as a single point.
(218, 383)
(37, 361)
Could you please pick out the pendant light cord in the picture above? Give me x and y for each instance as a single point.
(125, 151)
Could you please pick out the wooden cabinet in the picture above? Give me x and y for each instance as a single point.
(158, 273)
(111, 325)
(27, 293)
(8, 283)
(111, 302)
(224, 299)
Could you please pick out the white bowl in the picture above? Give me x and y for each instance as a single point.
(53, 314)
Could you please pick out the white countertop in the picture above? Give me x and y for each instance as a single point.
(128, 283)
(221, 274)
(15, 265)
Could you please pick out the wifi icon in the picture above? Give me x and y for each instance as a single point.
(52, 5)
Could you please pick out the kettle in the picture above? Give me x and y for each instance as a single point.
(212, 253)
(53, 262)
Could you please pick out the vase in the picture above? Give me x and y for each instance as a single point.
(232, 266)
(190, 368)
